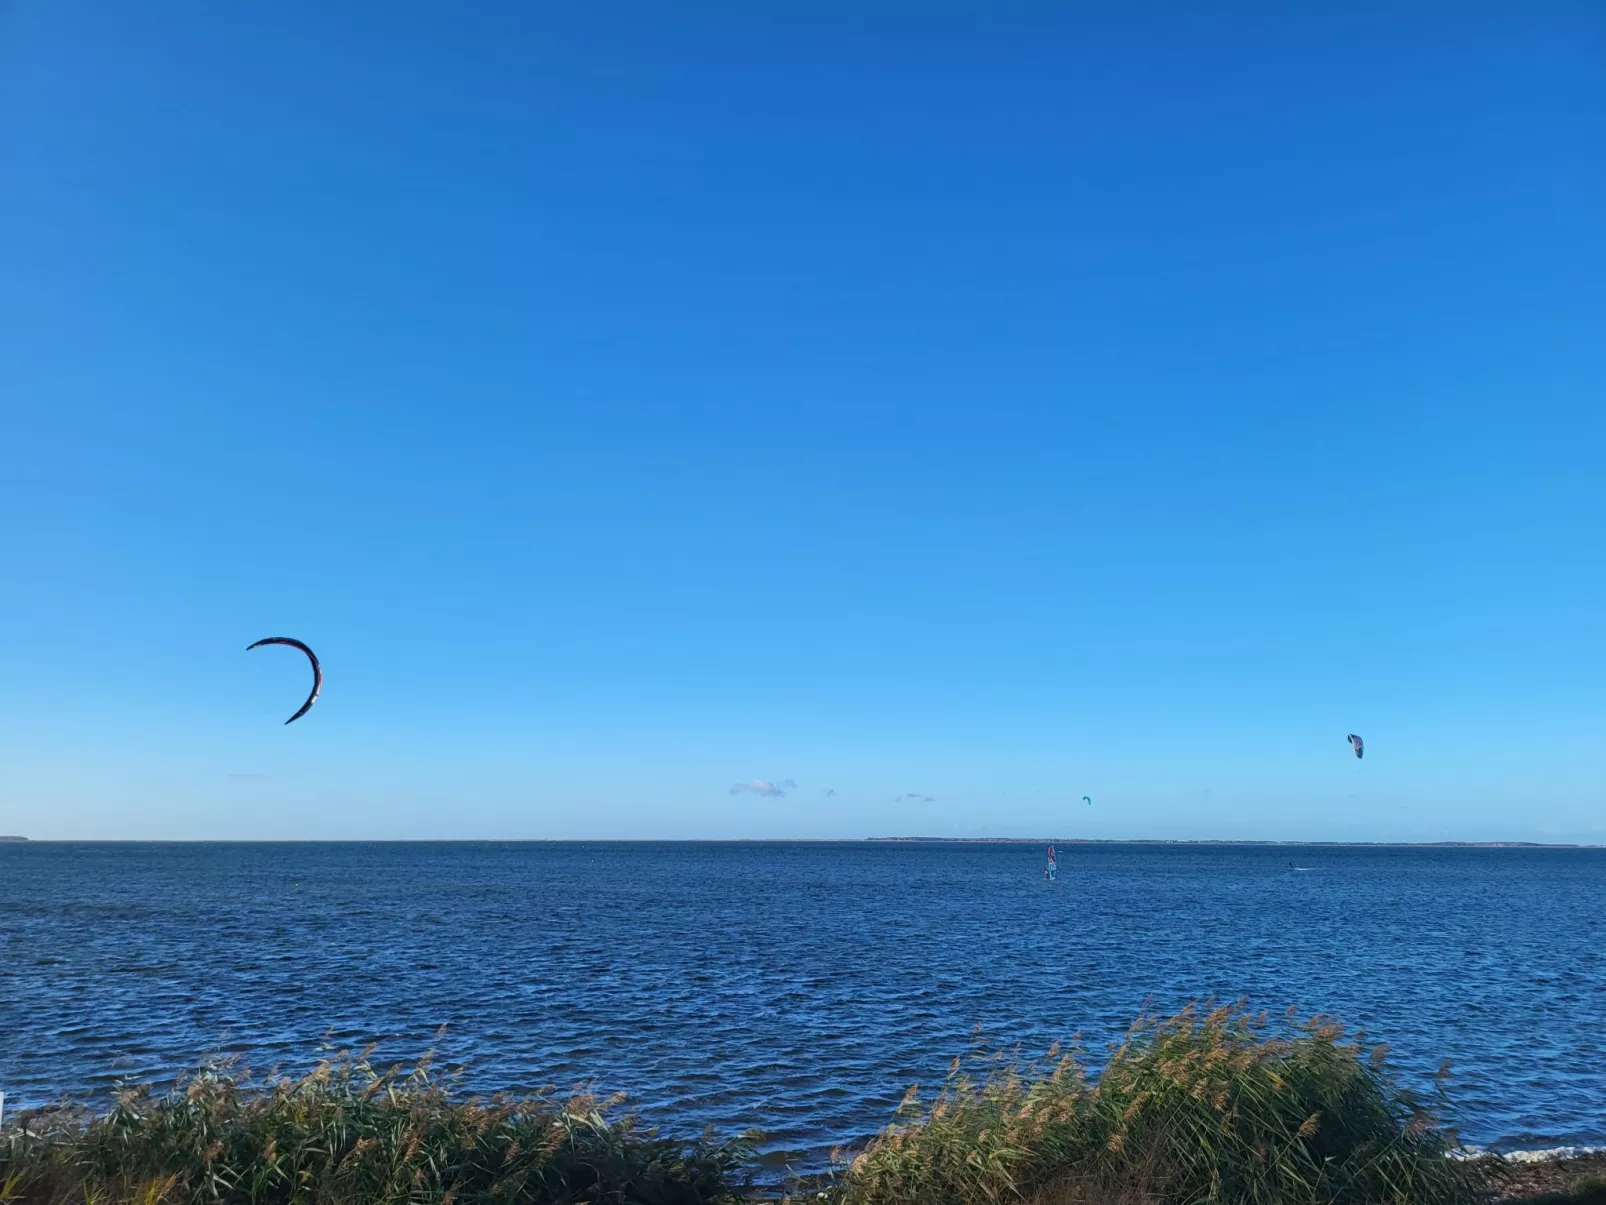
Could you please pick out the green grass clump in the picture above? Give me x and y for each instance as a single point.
(1213, 1108)
(350, 1135)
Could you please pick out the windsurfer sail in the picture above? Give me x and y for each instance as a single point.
(1052, 869)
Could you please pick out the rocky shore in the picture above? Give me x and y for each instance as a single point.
(1567, 1174)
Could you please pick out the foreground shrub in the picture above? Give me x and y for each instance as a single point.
(348, 1135)
(1219, 1108)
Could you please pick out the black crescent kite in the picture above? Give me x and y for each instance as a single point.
(317, 670)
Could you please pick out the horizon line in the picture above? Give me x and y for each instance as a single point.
(10, 839)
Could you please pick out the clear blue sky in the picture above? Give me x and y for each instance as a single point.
(994, 404)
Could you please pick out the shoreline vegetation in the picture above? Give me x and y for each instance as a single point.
(1215, 1106)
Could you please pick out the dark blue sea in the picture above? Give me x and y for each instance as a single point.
(795, 987)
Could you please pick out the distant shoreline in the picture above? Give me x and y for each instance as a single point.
(1169, 841)
(1207, 842)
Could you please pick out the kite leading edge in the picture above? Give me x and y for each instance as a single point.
(317, 670)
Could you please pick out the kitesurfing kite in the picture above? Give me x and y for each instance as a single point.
(1356, 741)
(317, 670)
(1087, 801)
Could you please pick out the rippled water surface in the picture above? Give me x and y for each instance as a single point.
(796, 987)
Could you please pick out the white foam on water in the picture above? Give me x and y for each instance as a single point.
(1545, 1155)
(1555, 1152)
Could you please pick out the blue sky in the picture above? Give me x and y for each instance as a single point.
(993, 404)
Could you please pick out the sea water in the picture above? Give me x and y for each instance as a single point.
(795, 987)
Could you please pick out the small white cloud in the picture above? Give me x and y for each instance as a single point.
(763, 786)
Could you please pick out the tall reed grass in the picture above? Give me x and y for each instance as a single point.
(348, 1134)
(1220, 1107)
(1215, 1106)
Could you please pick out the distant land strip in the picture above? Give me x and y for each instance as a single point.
(4, 839)
(1166, 841)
